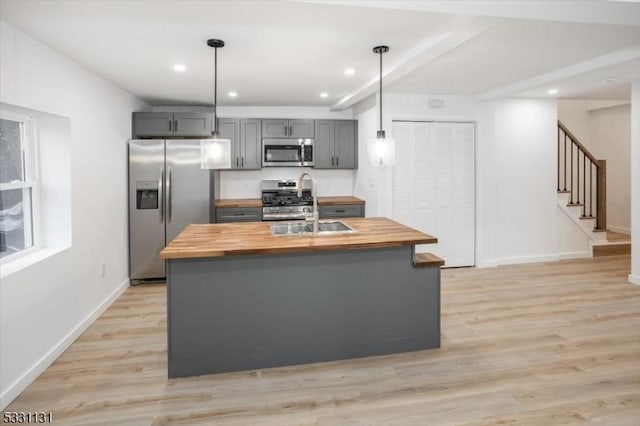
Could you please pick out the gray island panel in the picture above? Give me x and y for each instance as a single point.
(258, 311)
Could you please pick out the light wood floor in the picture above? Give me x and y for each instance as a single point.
(539, 344)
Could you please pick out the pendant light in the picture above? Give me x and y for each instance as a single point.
(215, 153)
(382, 150)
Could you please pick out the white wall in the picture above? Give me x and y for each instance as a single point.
(368, 179)
(516, 207)
(44, 307)
(524, 149)
(606, 134)
(634, 277)
(576, 116)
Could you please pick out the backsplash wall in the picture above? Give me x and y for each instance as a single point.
(246, 184)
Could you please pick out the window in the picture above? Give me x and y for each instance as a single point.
(18, 187)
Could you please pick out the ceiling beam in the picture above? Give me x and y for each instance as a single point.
(456, 31)
(618, 12)
(619, 56)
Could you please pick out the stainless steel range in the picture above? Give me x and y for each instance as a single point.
(280, 200)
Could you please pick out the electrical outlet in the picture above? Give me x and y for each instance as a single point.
(103, 269)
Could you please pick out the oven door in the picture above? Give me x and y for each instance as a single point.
(286, 152)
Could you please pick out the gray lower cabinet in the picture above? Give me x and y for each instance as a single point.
(336, 211)
(287, 128)
(246, 141)
(336, 144)
(167, 124)
(238, 214)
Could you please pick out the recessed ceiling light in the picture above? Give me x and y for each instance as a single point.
(609, 79)
(324, 94)
(552, 91)
(179, 67)
(349, 71)
(232, 94)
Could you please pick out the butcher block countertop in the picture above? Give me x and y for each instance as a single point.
(257, 202)
(228, 239)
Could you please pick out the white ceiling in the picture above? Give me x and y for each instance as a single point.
(287, 53)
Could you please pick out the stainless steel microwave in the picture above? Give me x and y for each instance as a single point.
(287, 152)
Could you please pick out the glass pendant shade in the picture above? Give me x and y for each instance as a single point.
(382, 151)
(215, 153)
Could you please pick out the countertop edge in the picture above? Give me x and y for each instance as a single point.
(304, 249)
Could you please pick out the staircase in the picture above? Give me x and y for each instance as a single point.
(582, 194)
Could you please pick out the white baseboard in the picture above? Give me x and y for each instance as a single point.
(574, 255)
(43, 363)
(487, 264)
(526, 259)
(634, 279)
(619, 229)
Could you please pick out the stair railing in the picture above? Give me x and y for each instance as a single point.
(578, 181)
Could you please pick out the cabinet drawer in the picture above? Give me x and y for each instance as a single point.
(238, 214)
(348, 210)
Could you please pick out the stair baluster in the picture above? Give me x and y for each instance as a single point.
(597, 197)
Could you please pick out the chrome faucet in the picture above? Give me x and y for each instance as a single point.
(314, 194)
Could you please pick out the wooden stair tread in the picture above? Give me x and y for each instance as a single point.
(423, 260)
(575, 205)
(599, 230)
(587, 217)
(564, 191)
(611, 249)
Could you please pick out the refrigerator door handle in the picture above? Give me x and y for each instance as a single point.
(160, 195)
(169, 198)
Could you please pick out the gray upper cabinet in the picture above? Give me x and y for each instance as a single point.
(168, 124)
(251, 135)
(229, 128)
(192, 124)
(246, 141)
(149, 124)
(287, 128)
(323, 146)
(336, 145)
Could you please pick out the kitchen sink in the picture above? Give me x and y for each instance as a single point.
(303, 228)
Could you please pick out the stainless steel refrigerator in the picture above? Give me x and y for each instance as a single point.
(167, 191)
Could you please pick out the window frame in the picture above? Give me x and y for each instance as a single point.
(31, 180)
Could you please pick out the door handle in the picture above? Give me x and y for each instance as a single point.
(170, 124)
(337, 161)
(175, 126)
(237, 163)
(242, 162)
(160, 195)
(286, 129)
(170, 199)
(290, 130)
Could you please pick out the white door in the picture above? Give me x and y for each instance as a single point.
(434, 185)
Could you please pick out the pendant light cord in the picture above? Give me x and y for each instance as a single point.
(380, 90)
(215, 91)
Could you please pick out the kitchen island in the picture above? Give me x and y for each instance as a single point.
(240, 298)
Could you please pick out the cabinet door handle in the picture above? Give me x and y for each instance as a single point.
(290, 130)
(175, 126)
(337, 161)
(332, 160)
(285, 130)
(236, 162)
(340, 210)
(170, 124)
(242, 161)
